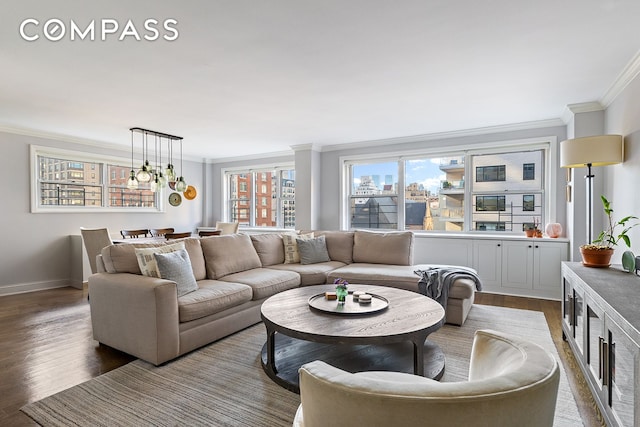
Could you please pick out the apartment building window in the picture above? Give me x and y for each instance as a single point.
(528, 203)
(490, 203)
(261, 198)
(529, 171)
(68, 180)
(490, 173)
(468, 190)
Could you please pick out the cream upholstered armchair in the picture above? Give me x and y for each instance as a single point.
(512, 382)
(227, 227)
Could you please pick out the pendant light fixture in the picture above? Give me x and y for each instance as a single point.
(132, 182)
(170, 171)
(162, 181)
(181, 185)
(143, 174)
(153, 174)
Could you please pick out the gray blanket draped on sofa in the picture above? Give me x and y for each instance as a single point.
(435, 281)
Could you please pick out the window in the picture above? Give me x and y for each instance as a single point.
(528, 203)
(490, 173)
(63, 182)
(373, 197)
(490, 203)
(263, 198)
(529, 171)
(435, 196)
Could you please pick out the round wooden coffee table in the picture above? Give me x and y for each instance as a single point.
(392, 339)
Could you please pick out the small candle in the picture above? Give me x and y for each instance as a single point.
(356, 295)
(364, 299)
(330, 295)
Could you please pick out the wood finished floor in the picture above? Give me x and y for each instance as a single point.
(46, 347)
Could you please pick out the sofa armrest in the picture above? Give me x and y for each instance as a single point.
(135, 314)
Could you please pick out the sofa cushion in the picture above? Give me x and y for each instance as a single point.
(289, 241)
(397, 276)
(228, 254)
(311, 274)
(212, 296)
(339, 245)
(395, 248)
(313, 251)
(147, 261)
(176, 266)
(121, 258)
(265, 281)
(269, 247)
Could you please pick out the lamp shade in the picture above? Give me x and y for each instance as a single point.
(600, 150)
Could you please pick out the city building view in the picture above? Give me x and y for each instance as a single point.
(75, 183)
(505, 192)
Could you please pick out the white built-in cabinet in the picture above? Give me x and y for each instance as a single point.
(509, 265)
(600, 321)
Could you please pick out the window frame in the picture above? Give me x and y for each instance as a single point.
(548, 145)
(256, 172)
(36, 151)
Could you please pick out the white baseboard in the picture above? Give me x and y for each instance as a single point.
(32, 287)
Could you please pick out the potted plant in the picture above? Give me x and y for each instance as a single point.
(533, 229)
(599, 252)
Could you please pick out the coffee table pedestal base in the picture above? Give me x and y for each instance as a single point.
(291, 354)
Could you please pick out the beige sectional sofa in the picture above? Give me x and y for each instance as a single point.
(145, 317)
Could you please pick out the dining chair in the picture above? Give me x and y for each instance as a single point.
(160, 232)
(206, 233)
(170, 236)
(132, 234)
(227, 227)
(94, 240)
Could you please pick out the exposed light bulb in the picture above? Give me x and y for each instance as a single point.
(162, 181)
(143, 174)
(181, 185)
(154, 184)
(170, 172)
(132, 182)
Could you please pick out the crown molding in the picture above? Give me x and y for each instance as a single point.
(583, 107)
(126, 148)
(447, 135)
(249, 157)
(630, 72)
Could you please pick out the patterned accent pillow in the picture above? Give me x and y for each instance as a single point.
(147, 262)
(291, 254)
(176, 266)
(313, 251)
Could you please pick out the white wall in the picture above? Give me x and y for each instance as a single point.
(36, 252)
(621, 184)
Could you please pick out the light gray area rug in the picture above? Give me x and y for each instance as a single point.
(223, 384)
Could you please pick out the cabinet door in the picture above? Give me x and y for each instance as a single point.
(579, 312)
(595, 338)
(567, 305)
(622, 362)
(487, 260)
(517, 264)
(547, 262)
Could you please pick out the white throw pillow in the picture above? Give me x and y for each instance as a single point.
(291, 254)
(176, 266)
(147, 262)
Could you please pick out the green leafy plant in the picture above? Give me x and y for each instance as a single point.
(610, 237)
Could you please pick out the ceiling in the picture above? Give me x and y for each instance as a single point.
(250, 77)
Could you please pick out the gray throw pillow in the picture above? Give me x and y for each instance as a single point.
(313, 251)
(176, 266)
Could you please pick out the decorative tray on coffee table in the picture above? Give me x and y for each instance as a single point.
(319, 302)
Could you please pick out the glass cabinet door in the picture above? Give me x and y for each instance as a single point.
(567, 304)
(622, 361)
(578, 317)
(595, 341)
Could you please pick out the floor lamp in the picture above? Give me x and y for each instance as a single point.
(588, 152)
